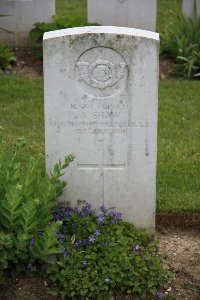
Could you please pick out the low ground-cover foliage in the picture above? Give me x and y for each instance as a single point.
(27, 199)
(7, 56)
(101, 253)
(181, 41)
(87, 253)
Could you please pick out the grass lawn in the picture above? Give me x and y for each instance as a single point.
(72, 8)
(21, 111)
(178, 180)
(178, 188)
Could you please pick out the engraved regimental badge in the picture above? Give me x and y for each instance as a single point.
(101, 71)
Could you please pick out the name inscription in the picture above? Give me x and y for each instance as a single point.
(109, 119)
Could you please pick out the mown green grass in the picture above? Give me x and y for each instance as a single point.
(21, 111)
(72, 8)
(178, 176)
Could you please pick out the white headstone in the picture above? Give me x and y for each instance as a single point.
(129, 13)
(101, 89)
(20, 16)
(188, 7)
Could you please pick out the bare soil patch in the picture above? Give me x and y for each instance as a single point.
(181, 252)
(27, 63)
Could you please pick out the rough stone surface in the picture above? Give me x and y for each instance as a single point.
(20, 16)
(129, 13)
(188, 6)
(101, 105)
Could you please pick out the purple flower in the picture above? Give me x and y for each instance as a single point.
(77, 244)
(97, 232)
(87, 210)
(73, 224)
(112, 214)
(116, 215)
(102, 208)
(56, 217)
(84, 262)
(67, 213)
(92, 239)
(75, 209)
(160, 295)
(107, 280)
(65, 253)
(100, 219)
(136, 248)
(29, 267)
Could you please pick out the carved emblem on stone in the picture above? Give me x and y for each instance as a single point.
(101, 73)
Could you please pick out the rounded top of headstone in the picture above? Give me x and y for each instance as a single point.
(126, 31)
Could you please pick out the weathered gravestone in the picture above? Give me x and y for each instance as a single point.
(188, 7)
(101, 104)
(129, 13)
(20, 16)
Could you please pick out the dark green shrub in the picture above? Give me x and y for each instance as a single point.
(181, 41)
(59, 23)
(7, 56)
(27, 198)
(100, 253)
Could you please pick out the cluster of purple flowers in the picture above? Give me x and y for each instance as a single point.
(115, 214)
(63, 213)
(68, 215)
(115, 217)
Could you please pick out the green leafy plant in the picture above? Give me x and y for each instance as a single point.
(28, 197)
(58, 23)
(7, 56)
(100, 254)
(181, 41)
